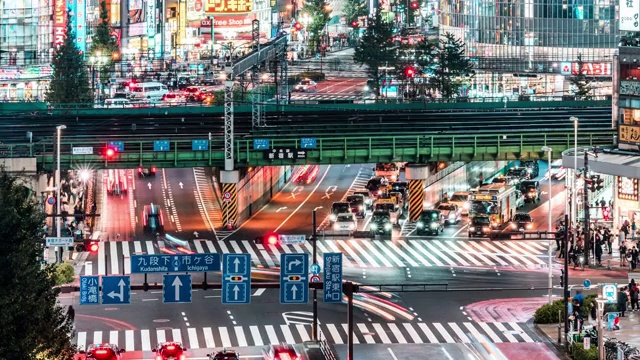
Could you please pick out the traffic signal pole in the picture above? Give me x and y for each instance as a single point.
(314, 330)
(585, 201)
(565, 276)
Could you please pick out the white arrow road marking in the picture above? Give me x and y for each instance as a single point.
(282, 208)
(149, 185)
(176, 286)
(196, 234)
(181, 185)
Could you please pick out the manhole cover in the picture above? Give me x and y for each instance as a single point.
(110, 309)
(161, 320)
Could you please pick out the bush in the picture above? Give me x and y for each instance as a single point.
(64, 273)
(579, 353)
(548, 314)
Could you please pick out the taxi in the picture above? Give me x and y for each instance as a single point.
(169, 351)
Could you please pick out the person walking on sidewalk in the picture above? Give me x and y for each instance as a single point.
(633, 294)
(608, 238)
(623, 254)
(634, 258)
(598, 252)
(622, 301)
(71, 313)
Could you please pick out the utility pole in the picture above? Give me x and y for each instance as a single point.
(565, 275)
(585, 201)
(349, 288)
(314, 330)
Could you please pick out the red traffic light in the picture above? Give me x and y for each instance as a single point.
(354, 23)
(272, 239)
(93, 247)
(297, 26)
(110, 152)
(415, 5)
(409, 71)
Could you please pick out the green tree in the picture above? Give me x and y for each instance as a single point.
(32, 325)
(318, 11)
(450, 67)
(103, 45)
(353, 9)
(583, 90)
(376, 49)
(70, 80)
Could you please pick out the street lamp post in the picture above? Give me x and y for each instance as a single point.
(601, 302)
(574, 190)
(549, 150)
(59, 129)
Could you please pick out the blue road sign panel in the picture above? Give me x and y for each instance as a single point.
(586, 283)
(308, 143)
(117, 145)
(89, 290)
(236, 278)
(261, 144)
(199, 145)
(314, 269)
(332, 277)
(161, 145)
(116, 290)
(294, 284)
(176, 288)
(145, 264)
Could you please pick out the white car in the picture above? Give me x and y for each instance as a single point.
(345, 222)
(452, 213)
(461, 200)
(306, 85)
(557, 170)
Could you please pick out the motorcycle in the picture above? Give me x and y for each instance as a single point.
(577, 258)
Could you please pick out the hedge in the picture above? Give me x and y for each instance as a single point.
(579, 353)
(63, 273)
(548, 314)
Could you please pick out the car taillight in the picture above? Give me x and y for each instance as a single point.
(139, 169)
(153, 169)
(171, 347)
(158, 357)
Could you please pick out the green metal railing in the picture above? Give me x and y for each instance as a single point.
(330, 150)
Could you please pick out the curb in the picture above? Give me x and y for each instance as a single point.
(558, 349)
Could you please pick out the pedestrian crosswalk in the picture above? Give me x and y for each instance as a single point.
(365, 333)
(357, 253)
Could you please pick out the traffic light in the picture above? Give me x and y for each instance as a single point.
(409, 72)
(269, 239)
(599, 183)
(354, 24)
(297, 26)
(93, 247)
(272, 239)
(108, 152)
(591, 184)
(415, 5)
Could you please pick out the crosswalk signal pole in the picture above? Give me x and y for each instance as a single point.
(314, 330)
(565, 289)
(349, 288)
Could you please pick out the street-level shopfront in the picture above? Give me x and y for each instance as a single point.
(24, 83)
(627, 205)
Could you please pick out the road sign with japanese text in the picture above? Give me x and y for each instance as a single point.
(144, 264)
(89, 290)
(332, 277)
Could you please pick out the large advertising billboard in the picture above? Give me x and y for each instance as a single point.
(59, 21)
(137, 17)
(220, 7)
(629, 15)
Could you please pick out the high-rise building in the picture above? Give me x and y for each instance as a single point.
(26, 37)
(531, 47)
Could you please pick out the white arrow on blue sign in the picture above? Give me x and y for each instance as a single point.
(236, 278)
(294, 284)
(116, 290)
(176, 288)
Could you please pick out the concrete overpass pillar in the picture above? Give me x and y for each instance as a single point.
(229, 180)
(416, 174)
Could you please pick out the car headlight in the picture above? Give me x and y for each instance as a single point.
(360, 208)
(352, 227)
(452, 216)
(434, 225)
(387, 226)
(514, 226)
(333, 217)
(336, 226)
(374, 226)
(368, 201)
(529, 226)
(366, 88)
(466, 206)
(420, 224)
(471, 228)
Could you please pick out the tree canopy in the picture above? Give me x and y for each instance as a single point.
(318, 11)
(583, 89)
(376, 49)
(32, 325)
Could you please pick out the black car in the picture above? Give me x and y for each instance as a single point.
(431, 222)
(339, 208)
(381, 223)
(480, 226)
(521, 222)
(400, 186)
(377, 186)
(356, 202)
(224, 355)
(532, 167)
(530, 190)
(516, 174)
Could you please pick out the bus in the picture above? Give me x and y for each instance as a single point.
(498, 201)
(390, 171)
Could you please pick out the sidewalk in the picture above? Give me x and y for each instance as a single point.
(629, 330)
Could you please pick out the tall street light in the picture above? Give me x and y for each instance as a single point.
(59, 129)
(574, 190)
(549, 150)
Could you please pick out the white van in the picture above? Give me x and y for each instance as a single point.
(148, 91)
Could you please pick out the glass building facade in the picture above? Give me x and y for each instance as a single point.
(25, 48)
(539, 40)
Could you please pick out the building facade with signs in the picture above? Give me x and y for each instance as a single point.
(26, 35)
(531, 47)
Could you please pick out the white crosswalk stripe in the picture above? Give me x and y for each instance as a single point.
(365, 333)
(113, 257)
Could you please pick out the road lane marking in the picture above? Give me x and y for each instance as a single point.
(425, 329)
(161, 335)
(453, 247)
(97, 337)
(113, 337)
(337, 339)
(365, 333)
(302, 331)
(404, 244)
(345, 327)
(462, 228)
(377, 253)
(461, 335)
(382, 334)
(487, 329)
(193, 338)
(505, 332)
(271, 334)
(305, 200)
(413, 333)
(520, 331)
(208, 337)
(224, 336)
(102, 266)
(242, 340)
(146, 341)
(445, 335)
(288, 336)
(82, 341)
(397, 333)
(255, 334)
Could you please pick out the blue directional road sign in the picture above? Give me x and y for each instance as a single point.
(332, 277)
(161, 145)
(314, 269)
(145, 264)
(117, 145)
(89, 290)
(261, 144)
(294, 284)
(116, 290)
(308, 143)
(199, 145)
(176, 288)
(236, 278)
(586, 283)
